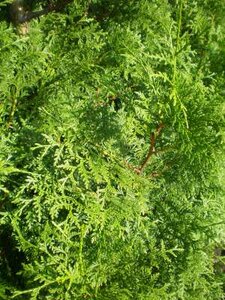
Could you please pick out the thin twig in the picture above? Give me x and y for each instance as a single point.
(12, 113)
(151, 150)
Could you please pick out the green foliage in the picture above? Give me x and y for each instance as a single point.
(111, 152)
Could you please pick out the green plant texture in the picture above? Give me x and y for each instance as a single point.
(112, 152)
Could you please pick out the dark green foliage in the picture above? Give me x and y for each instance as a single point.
(111, 152)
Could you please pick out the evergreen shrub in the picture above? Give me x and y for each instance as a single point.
(112, 152)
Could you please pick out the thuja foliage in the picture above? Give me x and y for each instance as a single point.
(111, 152)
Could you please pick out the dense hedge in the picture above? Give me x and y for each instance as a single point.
(112, 152)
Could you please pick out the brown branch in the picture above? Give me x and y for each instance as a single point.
(12, 113)
(20, 13)
(52, 7)
(151, 150)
